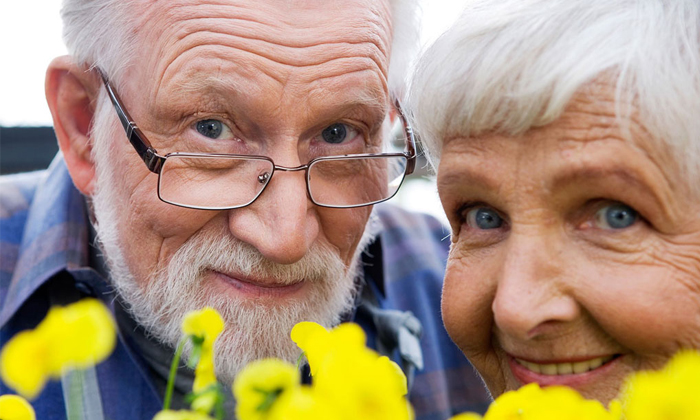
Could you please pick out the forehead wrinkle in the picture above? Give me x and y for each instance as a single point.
(294, 28)
(339, 66)
(197, 26)
(318, 53)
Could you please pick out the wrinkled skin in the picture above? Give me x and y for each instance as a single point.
(555, 282)
(276, 74)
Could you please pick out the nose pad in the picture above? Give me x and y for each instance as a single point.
(264, 177)
(282, 223)
(532, 295)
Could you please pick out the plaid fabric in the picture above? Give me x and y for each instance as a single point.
(44, 249)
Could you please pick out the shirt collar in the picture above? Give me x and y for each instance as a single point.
(55, 237)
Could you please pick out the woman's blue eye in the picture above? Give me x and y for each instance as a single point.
(335, 133)
(484, 218)
(616, 216)
(210, 128)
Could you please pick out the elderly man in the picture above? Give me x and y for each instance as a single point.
(216, 100)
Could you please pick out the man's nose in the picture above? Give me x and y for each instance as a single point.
(282, 224)
(534, 296)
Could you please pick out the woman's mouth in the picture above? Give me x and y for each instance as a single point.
(574, 373)
(565, 368)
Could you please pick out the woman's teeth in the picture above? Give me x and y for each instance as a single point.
(565, 368)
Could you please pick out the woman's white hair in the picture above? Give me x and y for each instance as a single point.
(103, 32)
(509, 65)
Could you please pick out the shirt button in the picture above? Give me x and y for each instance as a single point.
(84, 288)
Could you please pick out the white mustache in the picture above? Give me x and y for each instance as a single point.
(219, 251)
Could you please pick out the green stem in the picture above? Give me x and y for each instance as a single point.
(300, 359)
(219, 407)
(75, 400)
(173, 372)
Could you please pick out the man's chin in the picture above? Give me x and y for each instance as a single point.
(234, 350)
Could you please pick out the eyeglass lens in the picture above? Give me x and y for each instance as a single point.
(219, 182)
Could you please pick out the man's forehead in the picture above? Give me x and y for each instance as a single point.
(292, 24)
(270, 50)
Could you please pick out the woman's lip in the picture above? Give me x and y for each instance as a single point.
(574, 380)
(258, 288)
(562, 360)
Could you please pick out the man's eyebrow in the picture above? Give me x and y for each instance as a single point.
(372, 100)
(192, 85)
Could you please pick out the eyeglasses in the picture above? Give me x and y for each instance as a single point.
(218, 181)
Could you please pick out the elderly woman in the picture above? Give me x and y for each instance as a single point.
(567, 140)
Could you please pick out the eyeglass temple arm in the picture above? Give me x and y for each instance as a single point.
(410, 140)
(138, 140)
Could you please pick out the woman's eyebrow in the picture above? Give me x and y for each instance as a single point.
(470, 176)
(574, 174)
(633, 179)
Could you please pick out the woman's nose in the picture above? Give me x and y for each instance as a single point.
(534, 294)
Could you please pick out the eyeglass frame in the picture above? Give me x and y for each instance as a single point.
(154, 162)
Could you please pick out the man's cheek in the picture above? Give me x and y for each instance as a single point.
(344, 228)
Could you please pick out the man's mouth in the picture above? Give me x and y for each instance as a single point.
(259, 287)
(565, 368)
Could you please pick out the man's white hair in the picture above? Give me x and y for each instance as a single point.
(103, 33)
(509, 65)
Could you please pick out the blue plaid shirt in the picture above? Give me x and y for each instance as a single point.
(45, 249)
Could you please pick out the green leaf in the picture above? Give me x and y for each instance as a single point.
(300, 359)
(270, 398)
(196, 351)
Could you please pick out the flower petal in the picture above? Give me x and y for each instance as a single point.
(14, 407)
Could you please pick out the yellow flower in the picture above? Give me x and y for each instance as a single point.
(467, 416)
(362, 385)
(551, 403)
(14, 407)
(615, 409)
(71, 337)
(301, 403)
(260, 384)
(204, 326)
(206, 400)
(353, 379)
(180, 415)
(669, 394)
(24, 363)
(86, 331)
(204, 374)
(317, 342)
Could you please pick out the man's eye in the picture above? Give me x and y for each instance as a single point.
(484, 218)
(338, 133)
(211, 128)
(616, 216)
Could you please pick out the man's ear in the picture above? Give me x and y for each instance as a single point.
(71, 93)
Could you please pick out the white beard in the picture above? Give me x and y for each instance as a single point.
(253, 330)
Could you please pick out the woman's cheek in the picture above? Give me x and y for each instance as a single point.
(466, 303)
